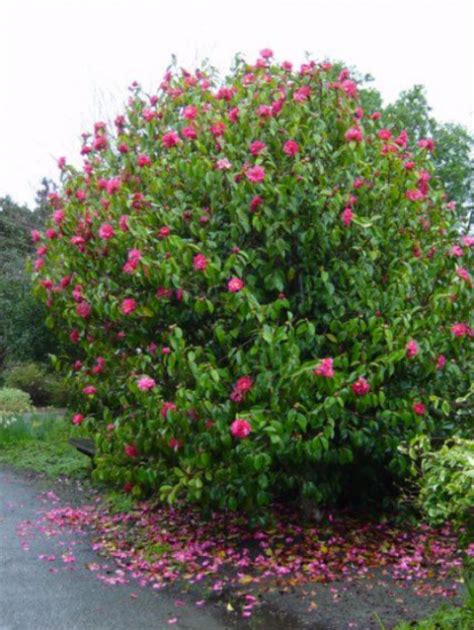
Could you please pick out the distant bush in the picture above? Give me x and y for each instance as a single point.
(447, 484)
(14, 401)
(44, 388)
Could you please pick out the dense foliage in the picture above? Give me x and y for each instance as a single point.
(23, 334)
(447, 483)
(14, 401)
(44, 388)
(264, 287)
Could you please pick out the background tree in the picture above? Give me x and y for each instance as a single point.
(23, 334)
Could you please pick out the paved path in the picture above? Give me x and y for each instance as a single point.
(33, 598)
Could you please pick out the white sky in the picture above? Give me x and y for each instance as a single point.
(66, 63)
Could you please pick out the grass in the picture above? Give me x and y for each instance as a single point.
(446, 617)
(39, 442)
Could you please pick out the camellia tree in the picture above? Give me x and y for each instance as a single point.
(265, 288)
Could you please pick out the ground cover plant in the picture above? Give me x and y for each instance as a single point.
(39, 443)
(265, 291)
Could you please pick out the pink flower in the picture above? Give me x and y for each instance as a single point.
(256, 202)
(235, 285)
(175, 444)
(412, 349)
(240, 428)
(291, 148)
(426, 143)
(354, 134)
(463, 273)
(106, 231)
(384, 134)
(223, 164)
(468, 241)
(441, 362)
(419, 408)
(113, 185)
(99, 365)
(346, 216)
(74, 336)
(325, 368)
(244, 383)
(77, 418)
(189, 132)
(190, 112)
(130, 450)
(461, 330)
(266, 53)
(58, 216)
(302, 94)
(164, 232)
(143, 160)
(256, 174)
(456, 250)
(35, 236)
(83, 309)
(89, 390)
(200, 262)
(166, 407)
(170, 139)
(256, 147)
(128, 306)
(361, 387)
(145, 383)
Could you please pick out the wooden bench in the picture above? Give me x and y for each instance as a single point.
(84, 445)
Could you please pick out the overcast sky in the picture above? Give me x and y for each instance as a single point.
(66, 63)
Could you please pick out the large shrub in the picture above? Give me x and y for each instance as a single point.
(265, 288)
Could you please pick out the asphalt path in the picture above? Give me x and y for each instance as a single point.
(37, 594)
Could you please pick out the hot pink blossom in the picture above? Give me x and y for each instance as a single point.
(441, 362)
(83, 309)
(58, 216)
(200, 262)
(456, 250)
(128, 306)
(468, 241)
(130, 450)
(354, 134)
(256, 174)
(170, 139)
(166, 407)
(77, 418)
(143, 160)
(419, 408)
(240, 428)
(256, 202)
(302, 94)
(223, 164)
(256, 147)
(412, 349)
(426, 143)
(462, 273)
(145, 383)
(461, 330)
(325, 368)
(361, 387)
(190, 112)
(235, 285)
(106, 231)
(89, 390)
(346, 216)
(291, 148)
(266, 53)
(35, 236)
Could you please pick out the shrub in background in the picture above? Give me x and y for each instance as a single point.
(265, 288)
(447, 484)
(14, 401)
(43, 387)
